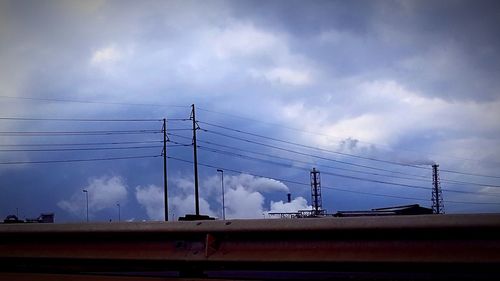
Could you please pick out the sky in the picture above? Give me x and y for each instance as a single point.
(370, 93)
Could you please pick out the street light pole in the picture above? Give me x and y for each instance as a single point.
(119, 216)
(87, 196)
(222, 184)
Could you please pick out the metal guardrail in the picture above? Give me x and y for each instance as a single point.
(363, 248)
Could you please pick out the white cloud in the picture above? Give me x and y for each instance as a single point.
(244, 194)
(182, 199)
(365, 127)
(186, 185)
(461, 152)
(299, 203)
(260, 53)
(103, 192)
(242, 203)
(288, 76)
(243, 197)
(243, 39)
(184, 204)
(105, 55)
(151, 198)
(383, 111)
(253, 183)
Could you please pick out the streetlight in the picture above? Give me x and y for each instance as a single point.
(119, 217)
(222, 184)
(87, 196)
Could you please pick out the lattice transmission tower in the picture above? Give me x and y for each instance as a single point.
(316, 192)
(437, 194)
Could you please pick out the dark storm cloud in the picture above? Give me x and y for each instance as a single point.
(305, 19)
(395, 75)
(448, 49)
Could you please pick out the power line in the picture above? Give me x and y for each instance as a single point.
(182, 144)
(375, 194)
(468, 202)
(77, 160)
(409, 186)
(420, 178)
(425, 179)
(409, 198)
(285, 127)
(179, 129)
(415, 177)
(340, 175)
(235, 171)
(93, 102)
(467, 183)
(307, 154)
(342, 153)
(78, 149)
(307, 184)
(343, 176)
(73, 133)
(329, 136)
(179, 145)
(315, 148)
(78, 144)
(469, 174)
(248, 157)
(77, 119)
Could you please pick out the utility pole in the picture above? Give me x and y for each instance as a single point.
(119, 211)
(222, 185)
(87, 197)
(437, 194)
(195, 160)
(165, 168)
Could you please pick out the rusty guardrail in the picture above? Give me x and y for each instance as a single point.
(404, 247)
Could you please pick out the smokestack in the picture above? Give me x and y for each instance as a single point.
(289, 196)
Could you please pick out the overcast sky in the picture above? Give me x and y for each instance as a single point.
(371, 83)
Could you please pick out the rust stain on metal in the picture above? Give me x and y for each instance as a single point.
(210, 245)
